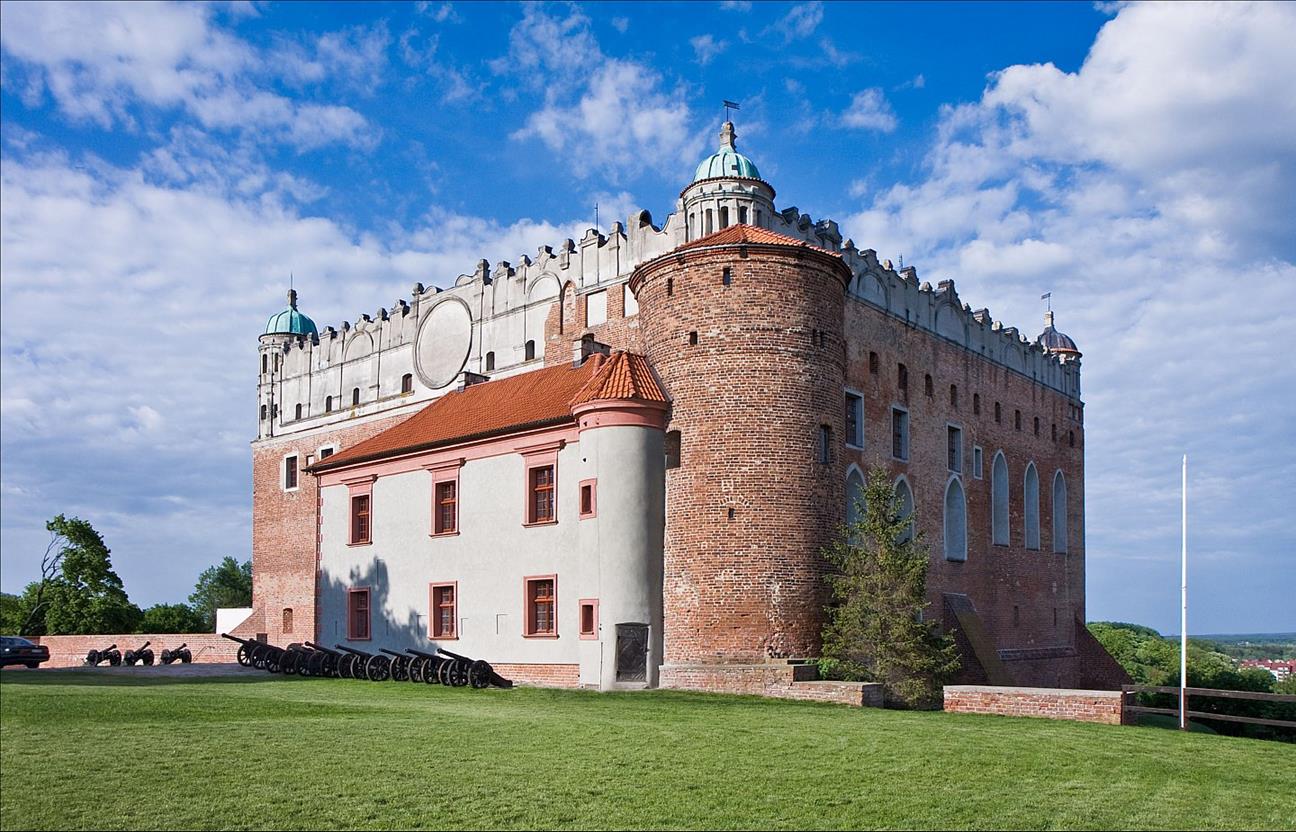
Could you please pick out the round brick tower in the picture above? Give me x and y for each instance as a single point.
(744, 328)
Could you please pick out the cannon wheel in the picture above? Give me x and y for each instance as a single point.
(186, 657)
(92, 658)
(479, 674)
(148, 658)
(315, 665)
(244, 655)
(114, 659)
(347, 665)
(167, 658)
(377, 669)
(459, 673)
(288, 664)
(399, 670)
(443, 673)
(416, 669)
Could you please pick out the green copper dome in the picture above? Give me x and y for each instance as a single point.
(290, 321)
(726, 161)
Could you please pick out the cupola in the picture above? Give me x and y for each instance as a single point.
(726, 190)
(1054, 341)
(290, 321)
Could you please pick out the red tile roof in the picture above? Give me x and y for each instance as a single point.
(623, 376)
(753, 234)
(536, 399)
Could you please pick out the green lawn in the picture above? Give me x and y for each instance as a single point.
(86, 751)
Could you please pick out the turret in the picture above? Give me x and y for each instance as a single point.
(281, 329)
(726, 190)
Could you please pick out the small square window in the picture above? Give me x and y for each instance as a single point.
(588, 499)
(854, 420)
(589, 618)
(899, 434)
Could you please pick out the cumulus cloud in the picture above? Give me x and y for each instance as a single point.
(801, 21)
(102, 62)
(1151, 191)
(869, 110)
(706, 48)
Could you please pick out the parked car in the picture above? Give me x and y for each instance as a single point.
(14, 650)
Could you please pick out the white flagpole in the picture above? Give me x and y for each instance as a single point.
(1183, 615)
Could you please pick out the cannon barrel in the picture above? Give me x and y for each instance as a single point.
(182, 646)
(353, 651)
(243, 641)
(446, 652)
(392, 653)
(112, 646)
(421, 653)
(312, 645)
(143, 646)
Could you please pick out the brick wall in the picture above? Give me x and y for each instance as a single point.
(541, 675)
(70, 651)
(780, 681)
(1050, 703)
(749, 507)
(566, 323)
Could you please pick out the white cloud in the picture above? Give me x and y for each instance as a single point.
(621, 24)
(735, 5)
(800, 21)
(706, 48)
(101, 62)
(869, 110)
(1152, 192)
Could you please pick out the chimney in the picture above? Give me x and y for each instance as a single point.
(585, 346)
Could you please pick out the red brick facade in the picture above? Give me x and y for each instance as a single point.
(541, 675)
(1077, 705)
(70, 651)
(747, 340)
(773, 679)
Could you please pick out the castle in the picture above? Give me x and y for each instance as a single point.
(615, 463)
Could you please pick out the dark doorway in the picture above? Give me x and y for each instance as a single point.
(632, 653)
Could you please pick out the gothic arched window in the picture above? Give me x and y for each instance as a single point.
(955, 521)
(530, 351)
(999, 534)
(1059, 514)
(1030, 507)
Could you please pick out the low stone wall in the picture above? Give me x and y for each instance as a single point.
(541, 675)
(70, 651)
(780, 681)
(1050, 703)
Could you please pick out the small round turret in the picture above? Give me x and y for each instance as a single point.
(726, 190)
(1054, 341)
(290, 321)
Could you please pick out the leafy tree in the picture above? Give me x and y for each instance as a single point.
(78, 592)
(227, 584)
(876, 631)
(172, 618)
(11, 613)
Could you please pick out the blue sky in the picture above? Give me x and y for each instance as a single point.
(166, 166)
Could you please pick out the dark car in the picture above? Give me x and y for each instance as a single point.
(14, 650)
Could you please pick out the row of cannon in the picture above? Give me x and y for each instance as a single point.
(110, 655)
(342, 662)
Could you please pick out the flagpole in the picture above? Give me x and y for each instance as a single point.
(1183, 613)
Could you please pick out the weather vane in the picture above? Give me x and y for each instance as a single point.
(729, 105)
(1047, 297)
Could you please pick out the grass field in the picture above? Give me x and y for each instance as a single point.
(85, 751)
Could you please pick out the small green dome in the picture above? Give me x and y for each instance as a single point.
(726, 161)
(290, 321)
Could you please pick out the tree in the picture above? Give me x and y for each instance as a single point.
(11, 614)
(876, 630)
(173, 618)
(86, 595)
(227, 584)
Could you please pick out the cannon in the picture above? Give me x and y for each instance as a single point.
(296, 660)
(364, 665)
(425, 667)
(400, 666)
(108, 654)
(141, 655)
(257, 654)
(179, 654)
(475, 672)
(321, 661)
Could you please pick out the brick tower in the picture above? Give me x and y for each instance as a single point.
(744, 327)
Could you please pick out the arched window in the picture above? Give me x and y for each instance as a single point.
(854, 496)
(407, 383)
(955, 521)
(976, 404)
(490, 361)
(927, 385)
(530, 351)
(905, 497)
(355, 396)
(999, 500)
(688, 226)
(299, 411)
(1030, 508)
(328, 404)
(954, 396)
(265, 363)
(724, 217)
(263, 412)
(742, 214)
(1059, 514)
(287, 620)
(710, 223)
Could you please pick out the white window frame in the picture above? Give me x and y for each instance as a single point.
(283, 471)
(589, 319)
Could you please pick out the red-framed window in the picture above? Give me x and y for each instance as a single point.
(588, 499)
(446, 518)
(360, 518)
(358, 614)
(541, 504)
(444, 613)
(541, 595)
(589, 618)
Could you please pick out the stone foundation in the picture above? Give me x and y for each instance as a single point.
(1102, 706)
(780, 681)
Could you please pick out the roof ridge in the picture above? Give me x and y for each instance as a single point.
(745, 233)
